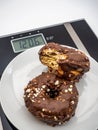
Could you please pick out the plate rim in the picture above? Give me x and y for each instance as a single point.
(3, 74)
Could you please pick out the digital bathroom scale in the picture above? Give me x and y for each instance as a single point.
(77, 34)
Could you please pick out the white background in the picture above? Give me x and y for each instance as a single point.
(21, 15)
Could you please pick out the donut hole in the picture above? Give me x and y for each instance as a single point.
(52, 93)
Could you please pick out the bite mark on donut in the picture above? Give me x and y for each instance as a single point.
(64, 61)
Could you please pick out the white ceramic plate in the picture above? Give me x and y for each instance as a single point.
(26, 66)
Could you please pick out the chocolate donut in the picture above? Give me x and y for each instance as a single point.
(66, 62)
(51, 99)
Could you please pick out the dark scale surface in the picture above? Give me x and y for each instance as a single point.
(51, 99)
(84, 32)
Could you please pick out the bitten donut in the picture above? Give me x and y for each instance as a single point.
(64, 61)
(51, 99)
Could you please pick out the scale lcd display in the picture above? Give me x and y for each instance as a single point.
(21, 44)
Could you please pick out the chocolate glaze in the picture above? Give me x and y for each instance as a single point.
(51, 99)
(72, 67)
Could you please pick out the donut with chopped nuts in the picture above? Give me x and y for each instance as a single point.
(66, 62)
(51, 99)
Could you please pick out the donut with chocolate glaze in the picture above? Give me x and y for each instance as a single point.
(51, 99)
(65, 62)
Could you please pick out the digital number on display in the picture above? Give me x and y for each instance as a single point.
(21, 44)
